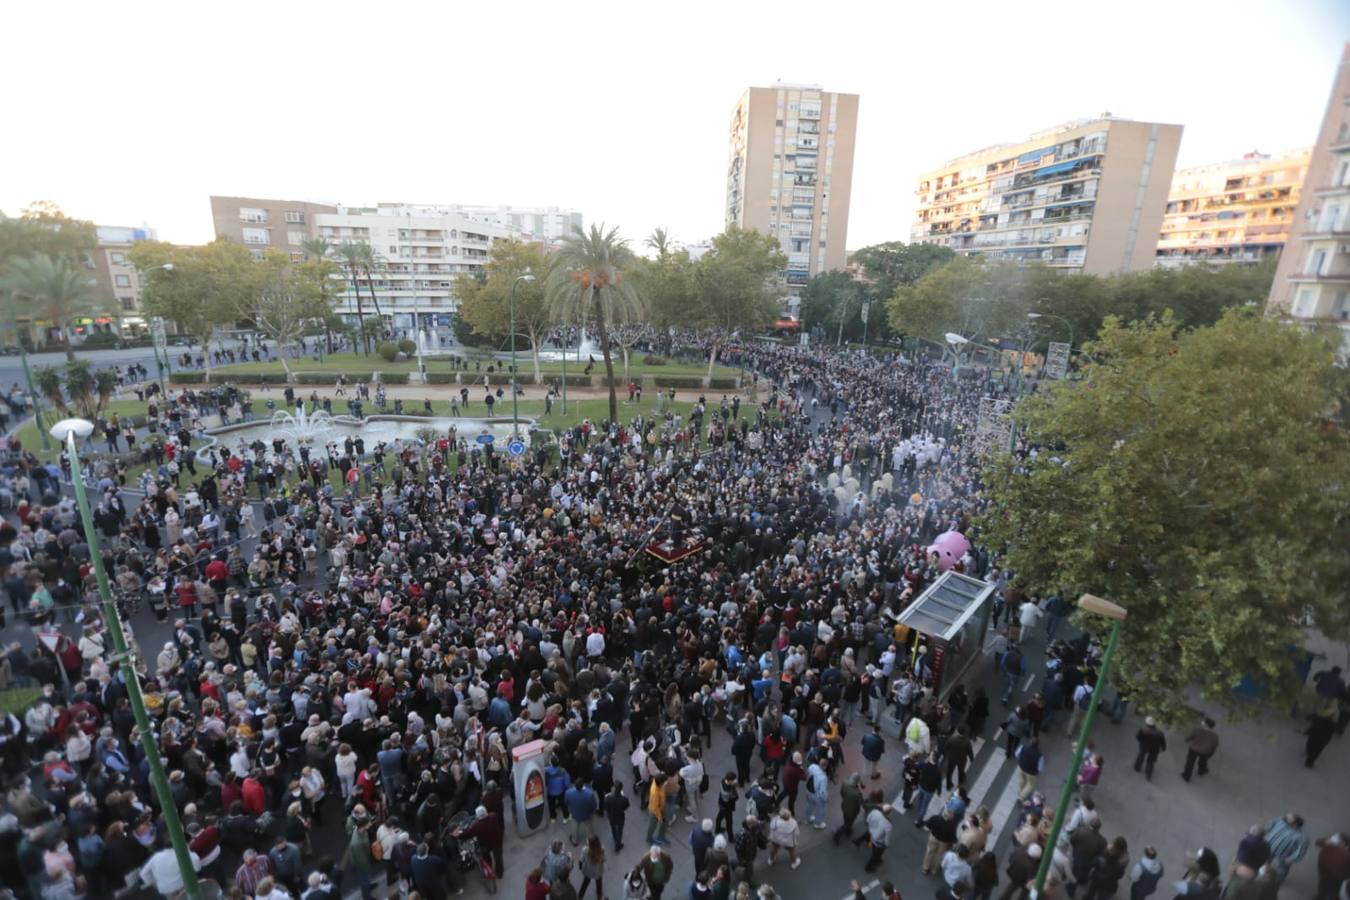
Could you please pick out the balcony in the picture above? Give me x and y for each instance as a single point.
(1313, 277)
(1334, 190)
(1339, 233)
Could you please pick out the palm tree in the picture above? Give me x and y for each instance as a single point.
(320, 248)
(587, 281)
(659, 240)
(55, 288)
(48, 382)
(350, 254)
(369, 262)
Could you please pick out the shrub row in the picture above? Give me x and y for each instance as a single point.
(187, 377)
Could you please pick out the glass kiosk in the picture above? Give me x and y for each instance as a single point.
(947, 624)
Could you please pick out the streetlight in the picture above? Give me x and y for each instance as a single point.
(68, 430)
(158, 337)
(515, 415)
(1107, 610)
(1036, 315)
(957, 341)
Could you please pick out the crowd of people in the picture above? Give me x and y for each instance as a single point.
(338, 705)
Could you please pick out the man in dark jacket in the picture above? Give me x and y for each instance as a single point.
(616, 809)
(850, 802)
(958, 753)
(1022, 866)
(426, 873)
(1151, 742)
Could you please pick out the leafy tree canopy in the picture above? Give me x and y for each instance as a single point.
(42, 228)
(1195, 478)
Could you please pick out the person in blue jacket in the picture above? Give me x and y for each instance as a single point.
(581, 804)
(556, 783)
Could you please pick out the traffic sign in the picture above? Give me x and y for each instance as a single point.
(516, 447)
(484, 439)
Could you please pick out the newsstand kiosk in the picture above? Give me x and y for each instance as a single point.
(947, 625)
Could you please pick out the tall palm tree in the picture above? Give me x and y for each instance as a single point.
(350, 254)
(587, 280)
(659, 240)
(55, 289)
(320, 248)
(370, 262)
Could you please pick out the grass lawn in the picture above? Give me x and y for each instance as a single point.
(357, 363)
(16, 700)
(28, 434)
(337, 362)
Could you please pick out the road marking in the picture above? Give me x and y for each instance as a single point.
(871, 885)
(1007, 801)
(992, 767)
(1031, 676)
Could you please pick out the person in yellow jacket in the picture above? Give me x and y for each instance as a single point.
(656, 812)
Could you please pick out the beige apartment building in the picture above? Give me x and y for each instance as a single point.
(1312, 281)
(1084, 197)
(117, 284)
(1235, 211)
(790, 173)
(262, 224)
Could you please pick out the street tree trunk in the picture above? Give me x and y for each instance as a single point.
(603, 328)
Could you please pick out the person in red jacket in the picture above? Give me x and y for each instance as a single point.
(187, 597)
(254, 794)
(218, 575)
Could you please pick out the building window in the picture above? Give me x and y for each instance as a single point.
(256, 236)
(295, 237)
(128, 303)
(295, 217)
(118, 259)
(1303, 305)
(252, 214)
(297, 256)
(122, 280)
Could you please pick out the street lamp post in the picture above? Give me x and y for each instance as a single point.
(1107, 610)
(515, 415)
(1067, 323)
(68, 430)
(33, 397)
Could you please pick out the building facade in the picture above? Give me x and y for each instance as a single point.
(261, 224)
(1235, 211)
(548, 224)
(790, 173)
(117, 284)
(420, 250)
(1084, 197)
(1312, 281)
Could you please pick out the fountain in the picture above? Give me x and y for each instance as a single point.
(582, 354)
(306, 427)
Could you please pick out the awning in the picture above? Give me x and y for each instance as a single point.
(1033, 155)
(1056, 168)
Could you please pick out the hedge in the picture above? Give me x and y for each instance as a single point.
(442, 378)
(678, 381)
(723, 384)
(505, 378)
(394, 377)
(187, 377)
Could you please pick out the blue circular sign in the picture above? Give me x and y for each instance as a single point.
(484, 439)
(516, 447)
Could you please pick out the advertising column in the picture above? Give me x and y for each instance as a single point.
(528, 772)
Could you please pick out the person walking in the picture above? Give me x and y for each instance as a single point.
(1321, 729)
(850, 804)
(592, 868)
(1151, 742)
(1017, 726)
(873, 746)
(616, 811)
(1333, 864)
(817, 796)
(957, 754)
(1201, 744)
(582, 806)
(878, 834)
(941, 837)
(1030, 765)
(656, 811)
(784, 834)
(1145, 875)
(749, 842)
(929, 783)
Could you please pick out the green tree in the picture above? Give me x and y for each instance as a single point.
(42, 228)
(486, 305)
(79, 381)
(666, 282)
(588, 280)
(1197, 482)
(883, 268)
(105, 385)
(284, 297)
(829, 300)
(353, 256)
(735, 288)
(50, 288)
(976, 300)
(206, 290)
(319, 264)
(47, 379)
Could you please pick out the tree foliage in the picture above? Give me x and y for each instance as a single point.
(1194, 478)
(486, 305)
(831, 301)
(48, 287)
(735, 288)
(589, 281)
(42, 228)
(965, 296)
(206, 289)
(282, 298)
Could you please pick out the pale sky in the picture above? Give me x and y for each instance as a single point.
(135, 113)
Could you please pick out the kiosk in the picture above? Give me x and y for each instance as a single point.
(947, 622)
(528, 778)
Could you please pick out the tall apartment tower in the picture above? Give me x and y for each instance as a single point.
(1087, 196)
(790, 173)
(1312, 282)
(1235, 211)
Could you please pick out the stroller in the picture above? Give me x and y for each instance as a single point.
(470, 856)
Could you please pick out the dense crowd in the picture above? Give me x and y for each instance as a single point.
(369, 664)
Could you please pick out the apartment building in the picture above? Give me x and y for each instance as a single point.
(1234, 211)
(262, 224)
(420, 251)
(790, 173)
(548, 224)
(1087, 196)
(117, 284)
(1312, 281)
